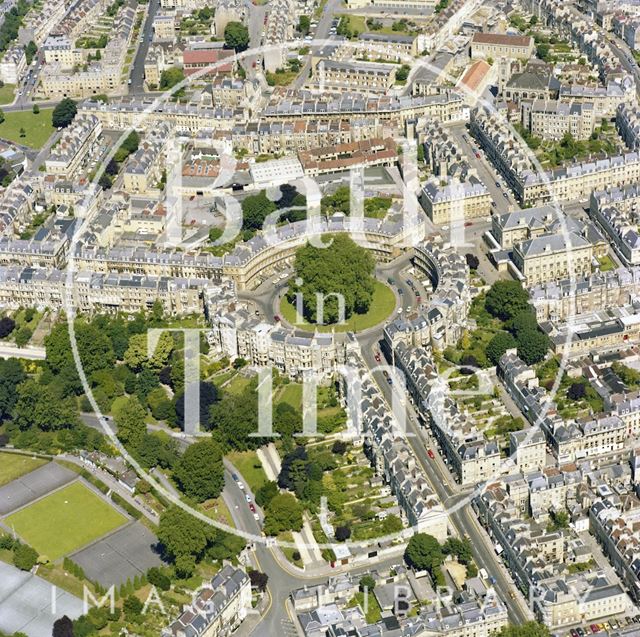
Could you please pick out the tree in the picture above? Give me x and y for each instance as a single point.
(255, 209)
(30, 51)
(236, 36)
(505, 299)
(576, 391)
(343, 533)
(304, 24)
(472, 260)
(259, 580)
(200, 472)
(137, 355)
(367, 583)
(343, 271)
(423, 552)
(11, 375)
(283, 513)
(208, 397)
(105, 181)
(559, 520)
(460, 548)
(158, 579)
(35, 109)
(528, 629)
(532, 346)
(63, 113)
(498, 345)
(7, 325)
(129, 417)
(132, 608)
(181, 534)
(266, 493)
(23, 335)
(525, 320)
(2, 117)
(170, 77)
(24, 557)
(339, 447)
(131, 143)
(155, 450)
(403, 73)
(39, 406)
(63, 627)
(22, 132)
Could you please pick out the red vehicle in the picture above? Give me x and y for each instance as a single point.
(430, 454)
(478, 155)
(466, 225)
(377, 357)
(252, 508)
(276, 318)
(594, 628)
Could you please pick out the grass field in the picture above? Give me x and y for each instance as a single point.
(65, 521)
(37, 128)
(13, 466)
(7, 93)
(382, 305)
(247, 463)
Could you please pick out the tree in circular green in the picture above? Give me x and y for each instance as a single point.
(236, 36)
(342, 271)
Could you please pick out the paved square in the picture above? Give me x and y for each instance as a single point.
(120, 556)
(26, 603)
(33, 485)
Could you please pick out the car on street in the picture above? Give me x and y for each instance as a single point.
(235, 477)
(594, 628)
(377, 357)
(252, 508)
(247, 497)
(430, 454)
(400, 291)
(277, 318)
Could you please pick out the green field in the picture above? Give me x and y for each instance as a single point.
(7, 93)
(382, 305)
(65, 521)
(37, 128)
(250, 468)
(13, 466)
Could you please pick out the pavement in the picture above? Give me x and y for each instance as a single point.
(30, 353)
(30, 605)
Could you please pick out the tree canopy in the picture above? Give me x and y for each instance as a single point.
(199, 471)
(63, 113)
(532, 346)
(505, 299)
(423, 552)
(236, 36)
(283, 513)
(498, 345)
(342, 271)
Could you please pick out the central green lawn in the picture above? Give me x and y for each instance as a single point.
(13, 466)
(7, 93)
(382, 305)
(37, 128)
(65, 521)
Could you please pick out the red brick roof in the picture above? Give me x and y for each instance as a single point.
(194, 59)
(501, 39)
(472, 79)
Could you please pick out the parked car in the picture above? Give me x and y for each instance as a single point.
(430, 454)
(247, 497)
(235, 477)
(252, 508)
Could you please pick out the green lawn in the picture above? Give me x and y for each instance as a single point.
(606, 263)
(13, 466)
(7, 93)
(65, 521)
(247, 463)
(382, 305)
(37, 128)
